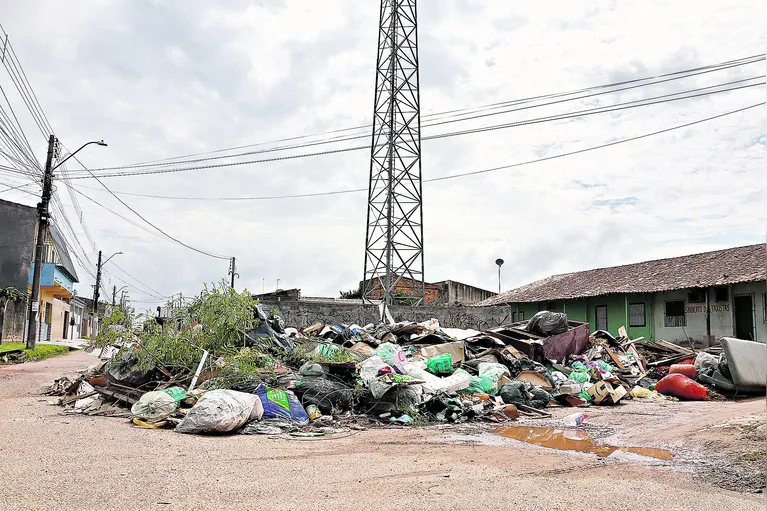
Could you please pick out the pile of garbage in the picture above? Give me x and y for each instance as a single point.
(323, 379)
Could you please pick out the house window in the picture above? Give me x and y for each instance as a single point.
(600, 313)
(521, 316)
(637, 314)
(675, 314)
(513, 317)
(697, 296)
(764, 307)
(552, 306)
(721, 294)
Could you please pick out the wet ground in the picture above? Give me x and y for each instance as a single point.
(50, 461)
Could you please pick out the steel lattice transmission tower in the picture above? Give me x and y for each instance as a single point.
(394, 239)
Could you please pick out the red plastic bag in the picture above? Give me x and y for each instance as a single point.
(682, 387)
(685, 369)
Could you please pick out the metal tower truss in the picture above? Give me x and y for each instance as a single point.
(394, 264)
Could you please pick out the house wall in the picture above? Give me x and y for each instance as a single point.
(455, 292)
(14, 320)
(722, 314)
(17, 243)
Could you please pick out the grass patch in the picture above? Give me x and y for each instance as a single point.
(41, 351)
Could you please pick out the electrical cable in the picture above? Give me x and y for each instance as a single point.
(598, 110)
(442, 178)
(712, 68)
(365, 136)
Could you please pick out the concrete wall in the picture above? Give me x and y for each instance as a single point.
(452, 292)
(302, 313)
(14, 320)
(17, 243)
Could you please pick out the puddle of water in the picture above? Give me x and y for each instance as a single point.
(575, 440)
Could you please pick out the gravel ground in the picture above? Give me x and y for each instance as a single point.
(51, 461)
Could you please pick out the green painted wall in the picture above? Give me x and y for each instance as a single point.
(584, 309)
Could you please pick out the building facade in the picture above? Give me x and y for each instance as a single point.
(57, 275)
(700, 297)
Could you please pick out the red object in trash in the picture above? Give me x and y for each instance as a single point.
(682, 387)
(687, 361)
(685, 369)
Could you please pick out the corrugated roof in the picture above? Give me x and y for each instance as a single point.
(720, 267)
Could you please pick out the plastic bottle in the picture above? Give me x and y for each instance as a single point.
(575, 419)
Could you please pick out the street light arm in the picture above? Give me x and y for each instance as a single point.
(110, 257)
(97, 142)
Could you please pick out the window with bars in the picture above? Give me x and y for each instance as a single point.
(637, 314)
(600, 314)
(521, 316)
(721, 294)
(675, 314)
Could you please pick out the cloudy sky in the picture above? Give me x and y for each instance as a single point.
(159, 79)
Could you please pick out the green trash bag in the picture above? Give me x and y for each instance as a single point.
(441, 364)
(177, 393)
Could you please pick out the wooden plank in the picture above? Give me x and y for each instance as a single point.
(615, 358)
(622, 332)
(83, 396)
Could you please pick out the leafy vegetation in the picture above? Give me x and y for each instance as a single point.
(352, 294)
(41, 351)
(13, 294)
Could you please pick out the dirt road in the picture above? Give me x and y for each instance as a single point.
(51, 461)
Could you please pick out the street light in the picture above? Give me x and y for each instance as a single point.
(43, 212)
(110, 257)
(499, 262)
(97, 142)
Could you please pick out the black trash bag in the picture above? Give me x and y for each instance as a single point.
(540, 398)
(724, 367)
(516, 366)
(330, 396)
(523, 393)
(396, 400)
(443, 408)
(266, 330)
(548, 323)
(119, 370)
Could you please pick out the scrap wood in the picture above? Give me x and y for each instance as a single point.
(119, 396)
(615, 358)
(75, 398)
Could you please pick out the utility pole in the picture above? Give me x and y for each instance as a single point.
(42, 230)
(96, 291)
(114, 295)
(233, 269)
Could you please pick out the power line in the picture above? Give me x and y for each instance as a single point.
(688, 72)
(364, 136)
(215, 256)
(592, 111)
(154, 291)
(454, 176)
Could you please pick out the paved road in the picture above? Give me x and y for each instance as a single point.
(50, 461)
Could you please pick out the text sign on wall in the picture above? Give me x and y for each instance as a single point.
(695, 309)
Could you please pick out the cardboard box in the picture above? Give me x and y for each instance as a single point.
(456, 350)
(605, 394)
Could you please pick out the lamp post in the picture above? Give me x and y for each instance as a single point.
(499, 262)
(42, 229)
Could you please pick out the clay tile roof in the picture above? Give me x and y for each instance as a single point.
(720, 267)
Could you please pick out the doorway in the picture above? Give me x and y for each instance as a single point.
(66, 325)
(744, 317)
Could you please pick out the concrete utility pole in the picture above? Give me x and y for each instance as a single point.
(96, 288)
(42, 230)
(233, 269)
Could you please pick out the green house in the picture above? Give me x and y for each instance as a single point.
(698, 297)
